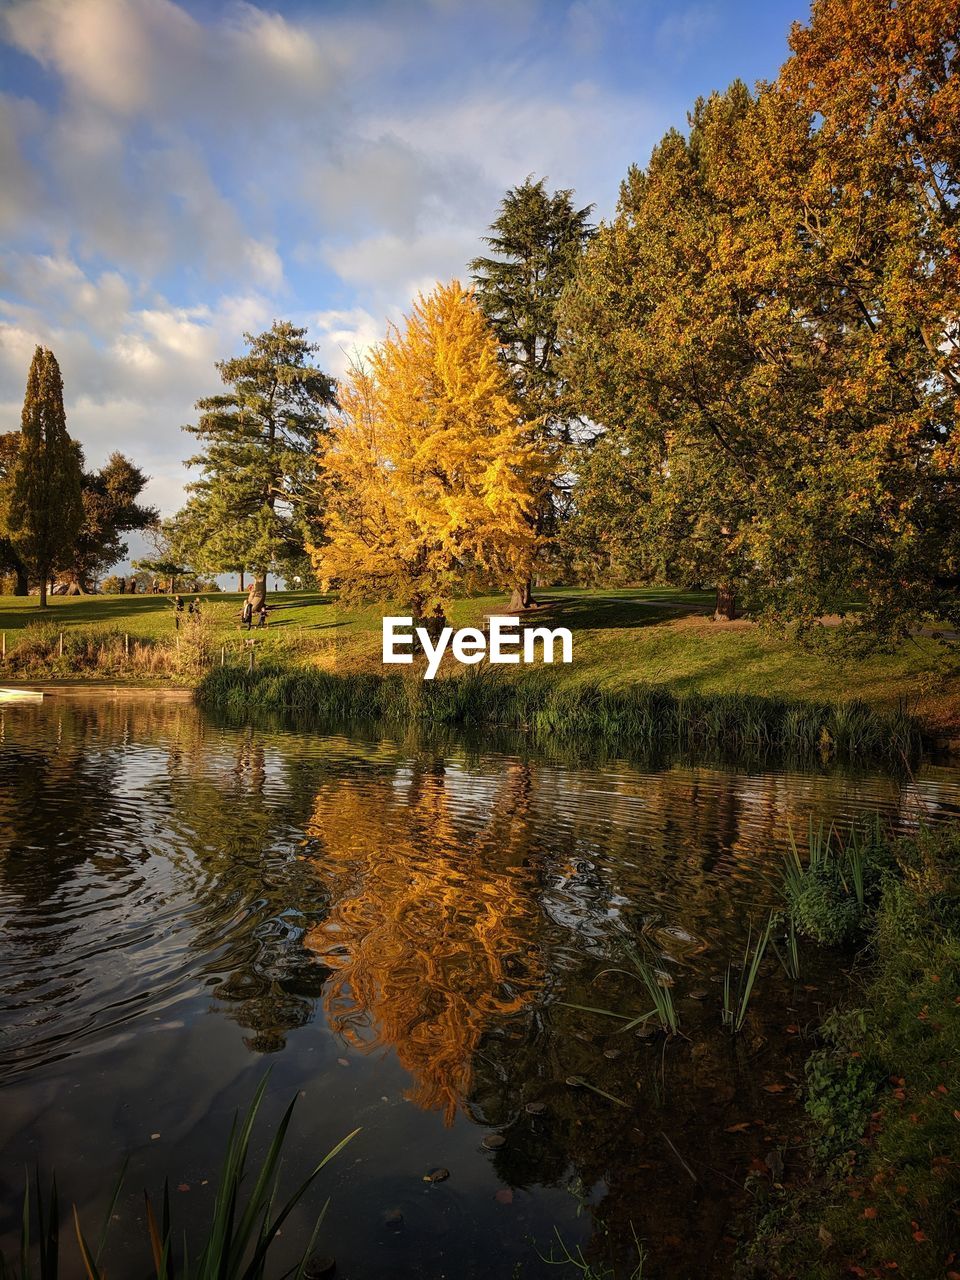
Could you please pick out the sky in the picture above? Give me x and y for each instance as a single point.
(173, 175)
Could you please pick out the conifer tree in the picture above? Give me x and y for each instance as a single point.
(251, 506)
(536, 241)
(430, 475)
(110, 509)
(45, 507)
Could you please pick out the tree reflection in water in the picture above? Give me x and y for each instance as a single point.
(432, 932)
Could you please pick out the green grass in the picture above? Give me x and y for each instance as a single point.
(638, 717)
(653, 635)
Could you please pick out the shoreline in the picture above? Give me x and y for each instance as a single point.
(112, 689)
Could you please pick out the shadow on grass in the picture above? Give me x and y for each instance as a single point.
(615, 612)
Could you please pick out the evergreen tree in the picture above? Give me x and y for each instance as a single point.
(10, 561)
(537, 239)
(110, 509)
(45, 507)
(256, 497)
(430, 472)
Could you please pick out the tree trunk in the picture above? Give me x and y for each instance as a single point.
(521, 597)
(43, 590)
(726, 609)
(241, 580)
(258, 590)
(23, 583)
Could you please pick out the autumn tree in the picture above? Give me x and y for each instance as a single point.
(659, 354)
(252, 504)
(769, 328)
(44, 508)
(429, 472)
(535, 241)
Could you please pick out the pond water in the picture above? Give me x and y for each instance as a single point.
(396, 928)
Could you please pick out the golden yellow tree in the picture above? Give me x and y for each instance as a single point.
(429, 470)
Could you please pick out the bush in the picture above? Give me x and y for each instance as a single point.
(842, 1079)
(833, 894)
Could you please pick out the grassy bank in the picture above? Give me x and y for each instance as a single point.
(649, 636)
(638, 716)
(878, 1190)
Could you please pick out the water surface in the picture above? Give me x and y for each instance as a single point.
(396, 928)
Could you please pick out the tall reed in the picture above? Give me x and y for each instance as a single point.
(541, 705)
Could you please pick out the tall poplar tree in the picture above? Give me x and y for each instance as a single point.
(251, 507)
(10, 561)
(536, 242)
(45, 507)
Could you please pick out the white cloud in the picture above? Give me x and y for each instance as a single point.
(186, 175)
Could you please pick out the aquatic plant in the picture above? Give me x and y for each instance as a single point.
(789, 957)
(830, 893)
(735, 1006)
(533, 700)
(48, 1236)
(664, 1010)
(243, 1229)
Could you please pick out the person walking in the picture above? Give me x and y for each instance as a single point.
(177, 611)
(246, 614)
(262, 615)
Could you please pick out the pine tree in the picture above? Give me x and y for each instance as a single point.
(45, 507)
(110, 509)
(537, 240)
(251, 507)
(429, 473)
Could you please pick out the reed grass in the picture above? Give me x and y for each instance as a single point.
(244, 1227)
(829, 890)
(641, 716)
(663, 1010)
(735, 1008)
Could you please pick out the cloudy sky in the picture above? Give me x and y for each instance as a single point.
(173, 174)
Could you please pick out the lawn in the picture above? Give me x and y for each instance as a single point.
(652, 634)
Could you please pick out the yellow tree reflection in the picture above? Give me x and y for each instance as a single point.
(431, 933)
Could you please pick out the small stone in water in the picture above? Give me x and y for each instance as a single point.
(436, 1175)
(698, 993)
(320, 1268)
(611, 1053)
(343, 1062)
(493, 1141)
(535, 1108)
(393, 1219)
(645, 1032)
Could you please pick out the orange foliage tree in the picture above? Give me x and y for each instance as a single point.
(429, 470)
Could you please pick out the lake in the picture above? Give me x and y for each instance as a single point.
(396, 928)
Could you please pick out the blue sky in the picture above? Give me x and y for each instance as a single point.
(172, 174)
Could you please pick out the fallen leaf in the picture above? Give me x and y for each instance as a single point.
(184, 1186)
(775, 1088)
(742, 1127)
(869, 1212)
